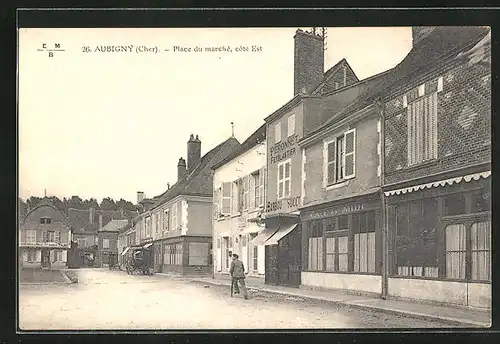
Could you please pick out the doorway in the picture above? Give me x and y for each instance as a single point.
(46, 259)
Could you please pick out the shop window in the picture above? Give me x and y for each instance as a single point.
(481, 251)
(343, 222)
(454, 204)
(31, 256)
(315, 248)
(363, 227)
(416, 238)
(198, 253)
(481, 201)
(455, 251)
(178, 254)
(167, 254)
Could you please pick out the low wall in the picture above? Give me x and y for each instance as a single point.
(476, 295)
(370, 284)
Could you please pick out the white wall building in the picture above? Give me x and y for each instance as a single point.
(239, 187)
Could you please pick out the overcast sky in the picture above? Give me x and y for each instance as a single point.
(111, 124)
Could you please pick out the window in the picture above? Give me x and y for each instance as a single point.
(226, 198)
(166, 220)
(340, 156)
(277, 132)
(31, 236)
(422, 129)
(31, 256)
(81, 242)
(284, 179)
(57, 256)
(178, 254)
(158, 228)
(198, 253)
(416, 238)
(167, 254)
(363, 227)
(57, 236)
(455, 251)
(228, 245)
(481, 251)
(315, 256)
(51, 236)
(45, 220)
(255, 258)
(256, 189)
(454, 204)
(237, 199)
(174, 216)
(291, 125)
(105, 243)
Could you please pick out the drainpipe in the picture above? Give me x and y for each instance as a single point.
(385, 233)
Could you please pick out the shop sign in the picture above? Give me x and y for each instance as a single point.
(282, 204)
(332, 212)
(283, 150)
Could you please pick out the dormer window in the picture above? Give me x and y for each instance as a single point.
(45, 220)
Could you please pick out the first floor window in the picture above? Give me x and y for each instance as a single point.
(284, 177)
(81, 242)
(105, 243)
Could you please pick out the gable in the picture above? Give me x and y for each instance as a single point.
(339, 76)
(33, 218)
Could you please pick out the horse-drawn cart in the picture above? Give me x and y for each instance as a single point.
(138, 259)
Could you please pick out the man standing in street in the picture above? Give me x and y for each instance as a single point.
(237, 271)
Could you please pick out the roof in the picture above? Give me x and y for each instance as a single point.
(253, 140)
(441, 44)
(114, 226)
(46, 202)
(199, 181)
(80, 218)
(331, 72)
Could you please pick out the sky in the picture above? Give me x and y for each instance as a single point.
(109, 124)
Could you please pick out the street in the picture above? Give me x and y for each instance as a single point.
(106, 299)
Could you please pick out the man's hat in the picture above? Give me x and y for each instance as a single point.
(235, 255)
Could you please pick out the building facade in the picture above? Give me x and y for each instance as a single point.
(44, 237)
(438, 171)
(179, 224)
(239, 196)
(108, 242)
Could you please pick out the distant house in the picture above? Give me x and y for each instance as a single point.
(108, 242)
(44, 237)
(239, 194)
(180, 221)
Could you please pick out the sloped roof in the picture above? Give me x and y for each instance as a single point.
(80, 218)
(114, 226)
(441, 44)
(196, 182)
(46, 202)
(331, 72)
(256, 138)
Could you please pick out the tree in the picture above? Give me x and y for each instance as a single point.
(107, 204)
(125, 205)
(33, 201)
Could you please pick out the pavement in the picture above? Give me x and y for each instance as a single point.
(41, 276)
(113, 300)
(467, 317)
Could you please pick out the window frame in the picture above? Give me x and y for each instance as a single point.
(290, 124)
(277, 132)
(282, 182)
(104, 245)
(328, 181)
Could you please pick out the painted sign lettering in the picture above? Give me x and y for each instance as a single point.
(352, 208)
(285, 149)
(278, 205)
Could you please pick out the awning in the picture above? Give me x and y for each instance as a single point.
(281, 233)
(451, 181)
(148, 245)
(265, 234)
(125, 251)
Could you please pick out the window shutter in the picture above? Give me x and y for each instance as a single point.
(291, 125)
(350, 154)
(226, 198)
(45, 236)
(179, 214)
(433, 125)
(262, 176)
(57, 236)
(277, 132)
(330, 157)
(251, 190)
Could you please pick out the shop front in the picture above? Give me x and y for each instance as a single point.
(342, 245)
(440, 241)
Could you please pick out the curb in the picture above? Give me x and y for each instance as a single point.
(352, 304)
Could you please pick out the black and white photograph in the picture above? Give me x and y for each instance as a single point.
(272, 178)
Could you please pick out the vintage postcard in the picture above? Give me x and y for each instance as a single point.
(254, 178)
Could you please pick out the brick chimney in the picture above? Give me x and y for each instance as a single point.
(181, 169)
(140, 196)
(193, 153)
(309, 61)
(420, 32)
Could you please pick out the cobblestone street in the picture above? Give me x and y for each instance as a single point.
(106, 299)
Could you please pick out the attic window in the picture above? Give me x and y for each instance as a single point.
(45, 220)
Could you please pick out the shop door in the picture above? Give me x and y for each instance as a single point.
(271, 262)
(46, 259)
(294, 257)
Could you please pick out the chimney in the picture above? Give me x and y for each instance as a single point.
(181, 169)
(309, 64)
(193, 153)
(420, 32)
(91, 215)
(140, 196)
(100, 221)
